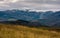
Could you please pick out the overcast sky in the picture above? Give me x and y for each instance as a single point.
(32, 4)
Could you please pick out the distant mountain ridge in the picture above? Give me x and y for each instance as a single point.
(19, 14)
(48, 18)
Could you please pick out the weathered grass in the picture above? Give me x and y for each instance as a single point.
(18, 31)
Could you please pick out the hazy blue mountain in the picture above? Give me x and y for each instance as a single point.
(48, 18)
(19, 14)
(51, 18)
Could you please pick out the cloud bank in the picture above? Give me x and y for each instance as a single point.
(32, 4)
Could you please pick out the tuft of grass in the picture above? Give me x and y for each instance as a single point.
(19, 31)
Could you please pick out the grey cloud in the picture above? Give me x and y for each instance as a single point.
(1, 0)
(44, 1)
(35, 4)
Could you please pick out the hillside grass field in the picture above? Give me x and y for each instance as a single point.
(19, 31)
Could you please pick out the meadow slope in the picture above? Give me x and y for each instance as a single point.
(18, 31)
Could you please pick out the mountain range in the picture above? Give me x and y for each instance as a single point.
(49, 18)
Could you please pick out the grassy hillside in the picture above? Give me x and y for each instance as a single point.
(17, 31)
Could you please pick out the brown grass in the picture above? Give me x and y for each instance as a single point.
(17, 31)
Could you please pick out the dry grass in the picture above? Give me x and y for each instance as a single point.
(17, 31)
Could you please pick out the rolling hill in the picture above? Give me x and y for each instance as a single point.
(19, 31)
